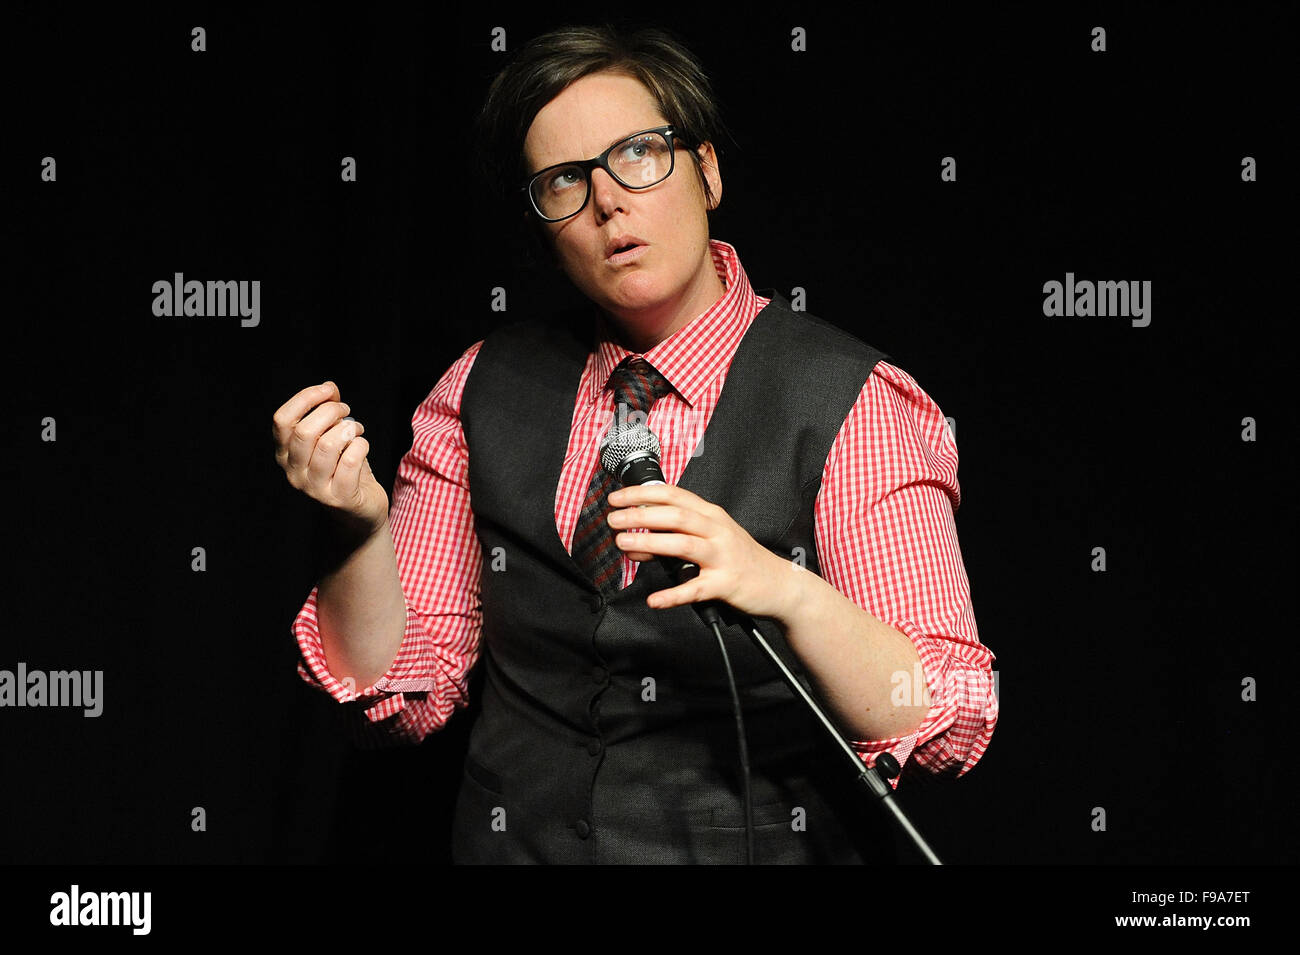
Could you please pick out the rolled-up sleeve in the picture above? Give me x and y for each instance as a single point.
(887, 540)
(439, 562)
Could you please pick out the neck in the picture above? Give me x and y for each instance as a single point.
(643, 329)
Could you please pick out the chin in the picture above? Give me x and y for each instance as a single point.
(637, 289)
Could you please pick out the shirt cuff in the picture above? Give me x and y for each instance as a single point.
(382, 699)
(907, 691)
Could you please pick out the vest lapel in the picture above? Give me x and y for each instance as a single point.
(550, 404)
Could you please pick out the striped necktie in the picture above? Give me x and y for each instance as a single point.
(636, 387)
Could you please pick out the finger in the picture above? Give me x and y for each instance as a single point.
(346, 480)
(648, 495)
(666, 517)
(288, 415)
(329, 446)
(688, 593)
(685, 546)
(310, 431)
(654, 494)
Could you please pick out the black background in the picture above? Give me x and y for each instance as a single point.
(1119, 689)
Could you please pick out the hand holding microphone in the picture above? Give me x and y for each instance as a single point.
(704, 551)
(632, 457)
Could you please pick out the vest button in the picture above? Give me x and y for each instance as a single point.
(594, 747)
(596, 602)
(584, 830)
(599, 675)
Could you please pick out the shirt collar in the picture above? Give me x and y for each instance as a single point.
(695, 354)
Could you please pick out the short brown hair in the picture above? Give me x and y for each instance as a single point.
(547, 64)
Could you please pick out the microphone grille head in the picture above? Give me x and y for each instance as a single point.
(616, 449)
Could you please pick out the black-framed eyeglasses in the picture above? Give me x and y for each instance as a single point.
(638, 161)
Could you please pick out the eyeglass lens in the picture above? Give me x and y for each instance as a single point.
(637, 162)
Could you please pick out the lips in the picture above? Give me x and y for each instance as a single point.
(635, 253)
(621, 244)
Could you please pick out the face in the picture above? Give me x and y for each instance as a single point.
(672, 280)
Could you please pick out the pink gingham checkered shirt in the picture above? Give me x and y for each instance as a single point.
(884, 529)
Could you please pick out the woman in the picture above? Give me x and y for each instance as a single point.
(823, 484)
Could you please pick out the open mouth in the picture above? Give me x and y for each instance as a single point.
(629, 252)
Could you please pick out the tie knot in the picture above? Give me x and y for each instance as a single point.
(637, 384)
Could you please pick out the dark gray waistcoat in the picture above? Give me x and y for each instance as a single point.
(606, 731)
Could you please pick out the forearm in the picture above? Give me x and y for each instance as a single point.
(852, 658)
(361, 610)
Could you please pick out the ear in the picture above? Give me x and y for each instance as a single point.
(711, 172)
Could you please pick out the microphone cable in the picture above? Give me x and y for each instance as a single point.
(741, 745)
(632, 457)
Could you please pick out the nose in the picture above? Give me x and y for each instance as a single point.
(606, 194)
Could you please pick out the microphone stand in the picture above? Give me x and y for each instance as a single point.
(876, 788)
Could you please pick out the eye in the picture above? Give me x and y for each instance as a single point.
(564, 179)
(636, 150)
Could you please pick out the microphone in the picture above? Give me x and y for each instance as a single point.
(632, 456)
